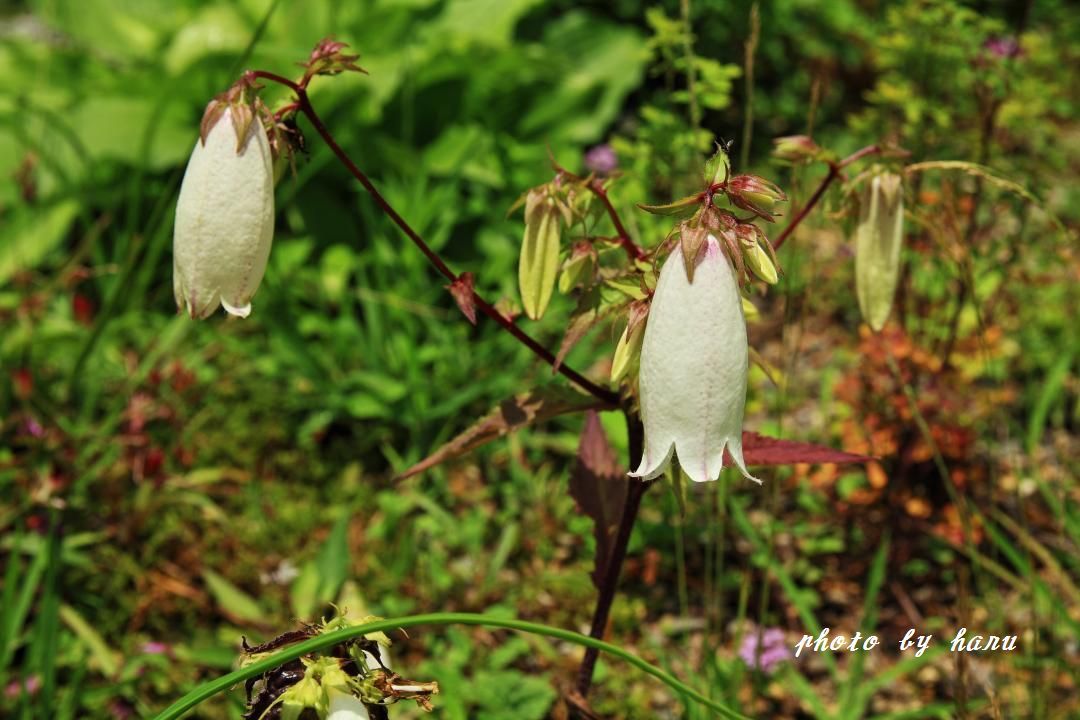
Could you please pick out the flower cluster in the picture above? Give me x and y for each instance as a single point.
(694, 354)
(693, 368)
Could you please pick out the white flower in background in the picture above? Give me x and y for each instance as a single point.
(693, 369)
(224, 218)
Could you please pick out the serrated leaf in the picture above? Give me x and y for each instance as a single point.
(761, 450)
(512, 414)
(538, 264)
(599, 484)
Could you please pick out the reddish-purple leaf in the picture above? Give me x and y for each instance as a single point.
(512, 414)
(599, 484)
(761, 450)
(462, 290)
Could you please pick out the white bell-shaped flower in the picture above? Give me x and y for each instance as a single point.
(224, 220)
(693, 369)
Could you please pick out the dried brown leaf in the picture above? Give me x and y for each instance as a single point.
(512, 414)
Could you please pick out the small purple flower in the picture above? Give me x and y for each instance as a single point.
(774, 649)
(602, 160)
(122, 709)
(154, 647)
(34, 429)
(1002, 47)
(16, 688)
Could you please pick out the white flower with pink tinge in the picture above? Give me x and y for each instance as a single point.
(693, 369)
(224, 220)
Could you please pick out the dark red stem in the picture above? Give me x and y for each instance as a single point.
(835, 171)
(632, 250)
(609, 581)
(305, 107)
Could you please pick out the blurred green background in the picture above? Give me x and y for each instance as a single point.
(167, 486)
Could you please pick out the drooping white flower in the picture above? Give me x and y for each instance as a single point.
(693, 369)
(224, 220)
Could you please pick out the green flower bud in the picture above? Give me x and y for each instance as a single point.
(538, 263)
(878, 238)
(628, 351)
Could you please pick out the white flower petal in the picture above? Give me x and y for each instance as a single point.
(224, 221)
(693, 369)
(345, 706)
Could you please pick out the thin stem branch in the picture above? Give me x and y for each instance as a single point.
(835, 171)
(633, 251)
(304, 106)
(613, 565)
(279, 79)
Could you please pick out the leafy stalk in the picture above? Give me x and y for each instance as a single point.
(303, 105)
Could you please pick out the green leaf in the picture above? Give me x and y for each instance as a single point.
(321, 578)
(232, 599)
(29, 237)
(100, 653)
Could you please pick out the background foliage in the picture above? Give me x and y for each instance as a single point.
(167, 486)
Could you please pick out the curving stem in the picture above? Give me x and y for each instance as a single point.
(304, 106)
(835, 171)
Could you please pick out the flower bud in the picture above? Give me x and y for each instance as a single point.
(878, 238)
(579, 268)
(224, 218)
(538, 263)
(693, 369)
(628, 350)
(795, 149)
(757, 258)
(755, 194)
